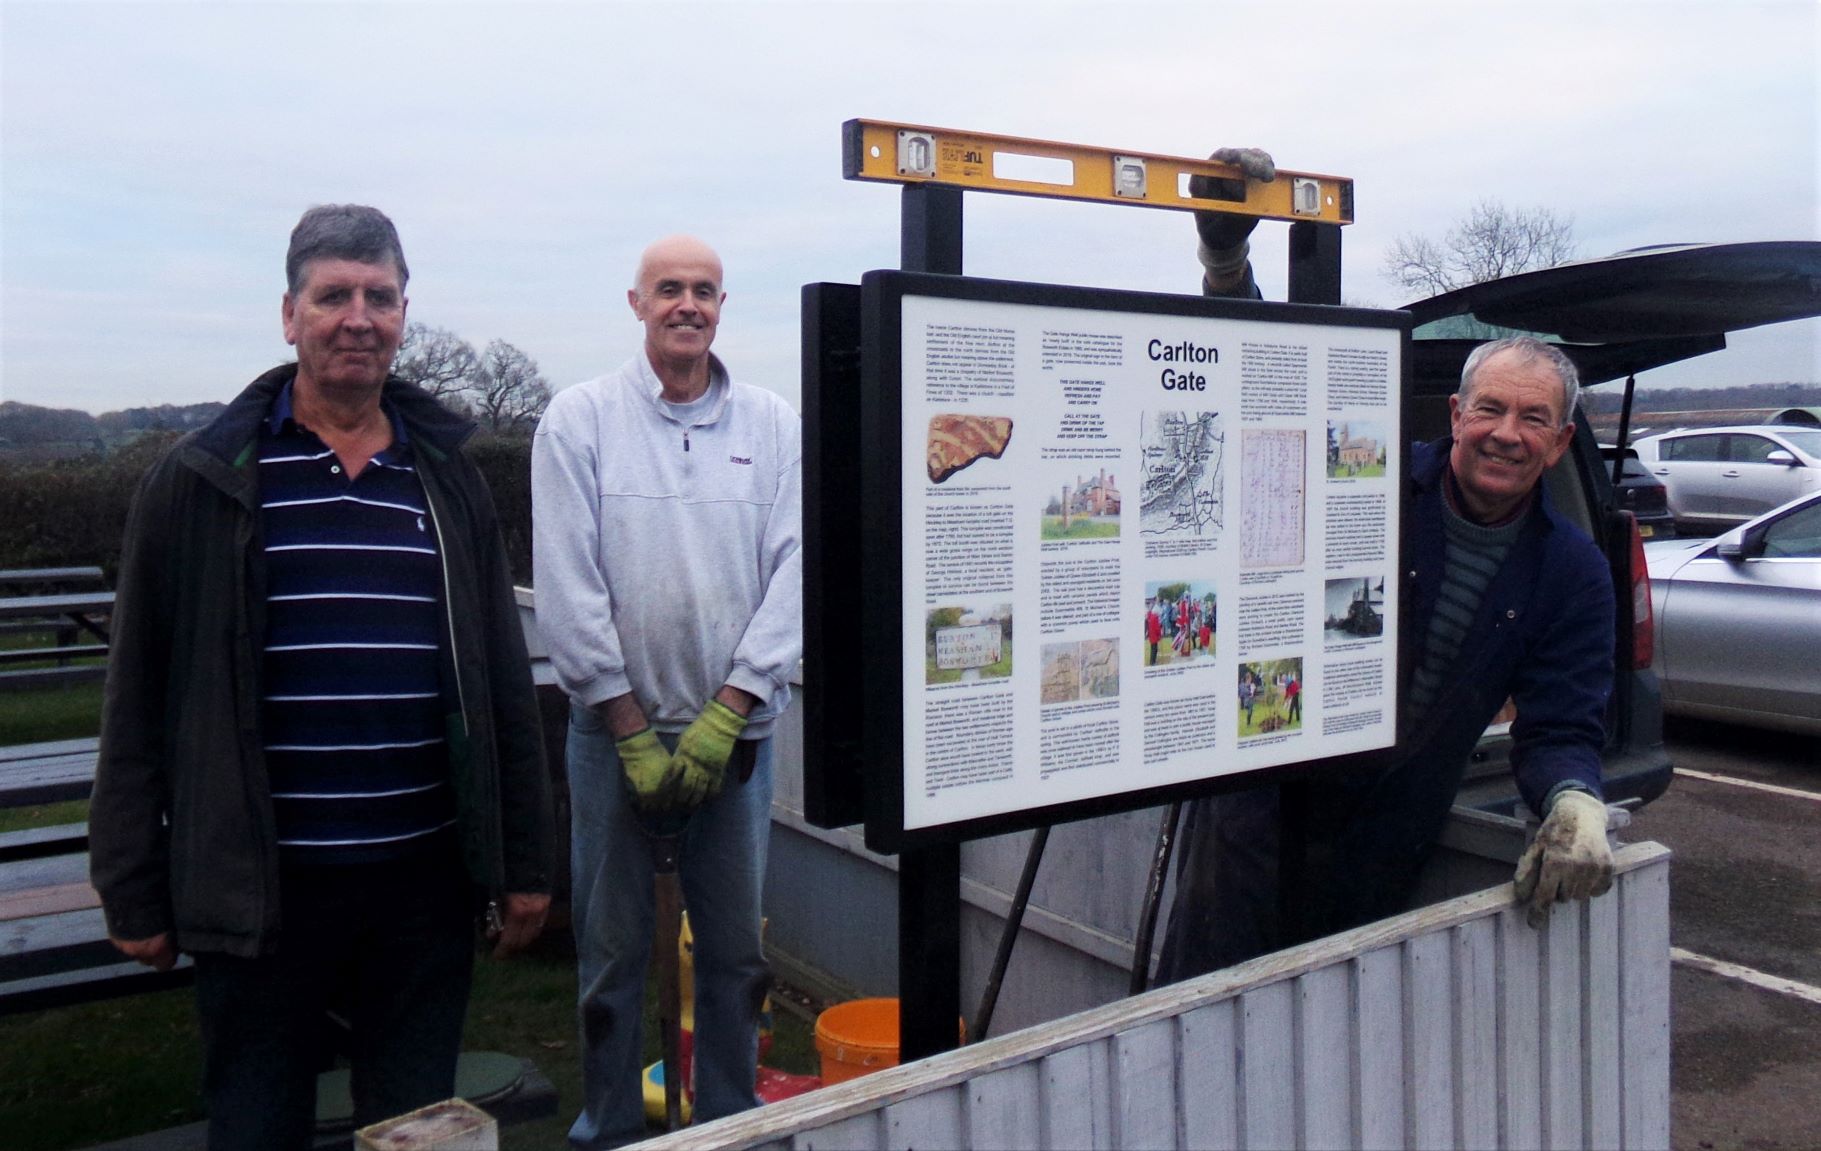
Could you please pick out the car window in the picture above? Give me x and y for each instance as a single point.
(1796, 535)
(1745, 449)
(1709, 448)
(1806, 439)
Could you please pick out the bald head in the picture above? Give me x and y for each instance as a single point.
(673, 249)
(678, 297)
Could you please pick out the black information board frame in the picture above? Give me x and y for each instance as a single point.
(862, 730)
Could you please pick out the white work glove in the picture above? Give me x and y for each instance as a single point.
(1224, 247)
(1569, 859)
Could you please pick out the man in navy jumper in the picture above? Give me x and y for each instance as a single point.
(1509, 601)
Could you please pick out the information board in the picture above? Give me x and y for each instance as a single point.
(1142, 540)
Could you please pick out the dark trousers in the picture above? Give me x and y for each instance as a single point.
(392, 946)
(1356, 851)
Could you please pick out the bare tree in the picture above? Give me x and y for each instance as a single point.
(1490, 242)
(436, 360)
(508, 394)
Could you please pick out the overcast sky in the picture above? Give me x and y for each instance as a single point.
(154, 156)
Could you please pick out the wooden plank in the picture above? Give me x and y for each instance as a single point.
(52, 944)
(1520, 1032)
(31, 678)
(37, 842)
(90, 984)
(1324, 1062)
(1600, 1072)
(87, 573)
(50, 748)
(931, 1120)
(1644, 1006)
(1267, 1075)
(1065, 1115)
(51, 606)
(1208, 1076)
(47, 901)
(1378, 1060)
(1100, 1093)
(44, 871)
(1144, 1086)
(1429, 1039)
(52, 772)
(67, 652)
(1476, 1030)
(855, 1133)
(1562, 1035)
(1000, 1105)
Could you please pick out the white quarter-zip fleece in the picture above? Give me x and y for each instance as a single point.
(667, 557)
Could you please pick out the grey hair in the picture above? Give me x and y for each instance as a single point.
(343, 232)
(1528, 349)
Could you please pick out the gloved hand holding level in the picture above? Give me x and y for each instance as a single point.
(1224, 247)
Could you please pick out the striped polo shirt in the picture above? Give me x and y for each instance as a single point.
(351, 716)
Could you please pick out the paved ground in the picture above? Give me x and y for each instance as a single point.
(1745, 888)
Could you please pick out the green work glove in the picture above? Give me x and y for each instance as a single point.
(1224, 247)
(1569, 859)
(703, 751)
(651, 776)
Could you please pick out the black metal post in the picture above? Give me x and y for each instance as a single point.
(930, 238)
(929, 951)
(1314, 263)
(929, 879)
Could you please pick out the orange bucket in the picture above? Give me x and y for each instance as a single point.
(856, 1037)
(859, 1036)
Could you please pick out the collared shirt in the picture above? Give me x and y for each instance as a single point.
(352, 717)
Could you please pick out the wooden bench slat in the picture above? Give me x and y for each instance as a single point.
(37, 842)
(50, 772)
(90, 984)
(28, 679)
(85, 573)
(48, 944)
(54, 606)
(68, 651)
(48, 901)
(46, 871)
(50, 747)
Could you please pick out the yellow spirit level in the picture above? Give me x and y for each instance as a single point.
(914, 154)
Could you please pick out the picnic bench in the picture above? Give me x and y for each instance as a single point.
(54, 948)
(66, 614)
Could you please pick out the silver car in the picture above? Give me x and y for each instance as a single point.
(1738, 620)
(1718, 477)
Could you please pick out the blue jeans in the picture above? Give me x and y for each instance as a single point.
(723, 876)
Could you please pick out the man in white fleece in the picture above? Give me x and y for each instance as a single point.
(668, 518)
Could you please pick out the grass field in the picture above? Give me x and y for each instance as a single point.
(934, 674)
(75, 1076)
(1083, 528)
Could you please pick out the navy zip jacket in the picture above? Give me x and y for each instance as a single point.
(1543, 636)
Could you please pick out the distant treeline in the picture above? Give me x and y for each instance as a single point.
(29, 424)
(72, 511)
(1609, 398)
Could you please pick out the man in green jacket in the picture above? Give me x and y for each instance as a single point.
(321, 754)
